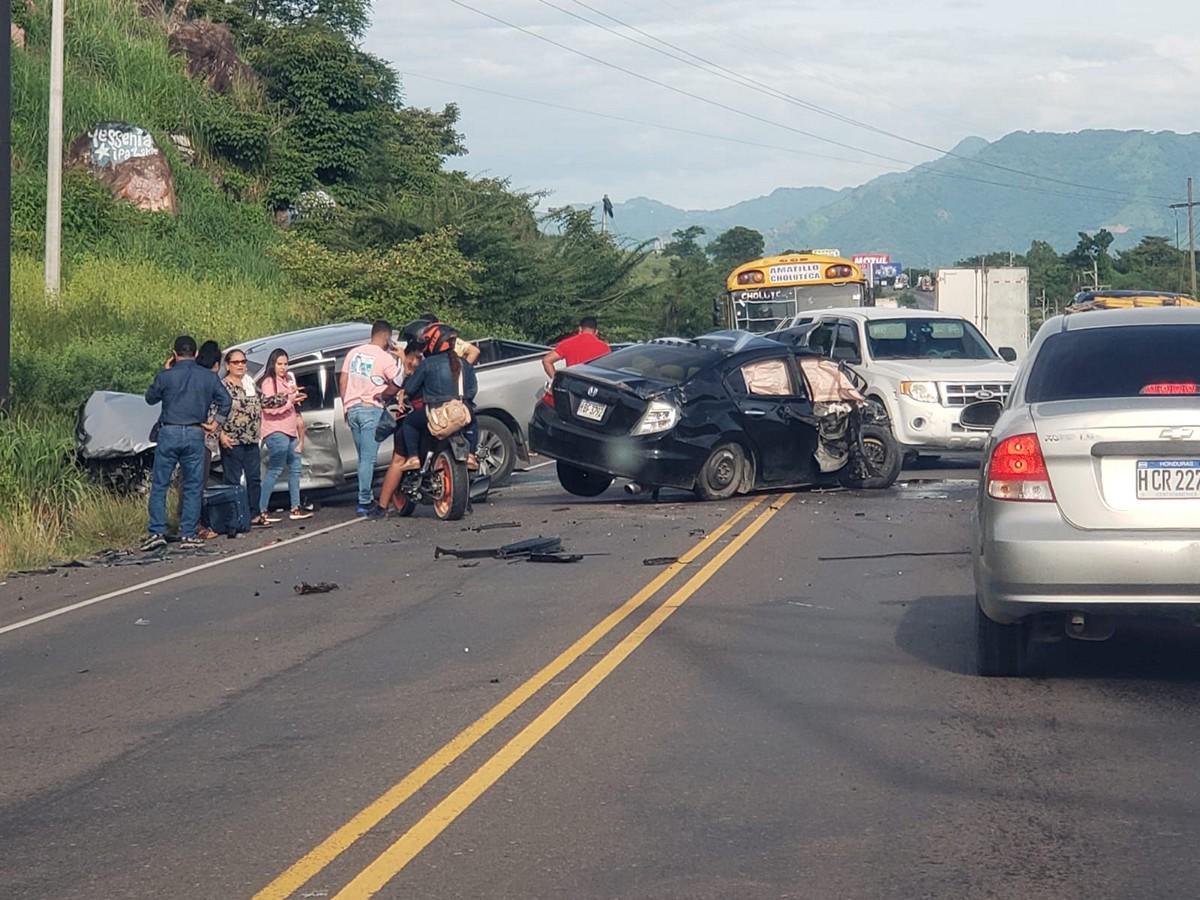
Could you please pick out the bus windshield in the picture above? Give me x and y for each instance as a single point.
(926, 339)
(764, 294)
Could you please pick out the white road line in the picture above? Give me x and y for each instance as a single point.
(25, 623)
(538, 466)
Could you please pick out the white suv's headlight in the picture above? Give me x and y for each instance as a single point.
(660, 416)
(921, 391)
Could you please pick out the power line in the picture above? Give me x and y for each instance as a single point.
(913, 167)
(641, 122)
(923, 167)
(776, 93)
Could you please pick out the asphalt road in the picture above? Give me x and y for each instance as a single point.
(759, 720)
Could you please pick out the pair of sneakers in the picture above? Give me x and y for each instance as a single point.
(296, 515)
(157, 542)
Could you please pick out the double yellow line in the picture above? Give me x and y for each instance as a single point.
(388, 864)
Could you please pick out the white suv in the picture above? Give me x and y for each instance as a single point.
(922, 366)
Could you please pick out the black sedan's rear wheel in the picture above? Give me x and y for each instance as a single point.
(721, 475)
(583, 482)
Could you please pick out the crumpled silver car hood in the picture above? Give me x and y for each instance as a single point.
(113, 424)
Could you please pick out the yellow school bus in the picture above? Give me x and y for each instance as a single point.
(763, 294)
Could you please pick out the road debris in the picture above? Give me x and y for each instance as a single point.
(507, 551)
(467, 565)
(528, 547)
(555, 557)
(913, 553)
(492, 526)
(142, 622)
(660, 560)
(321, 587)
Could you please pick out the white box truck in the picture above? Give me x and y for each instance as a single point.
(996, 300)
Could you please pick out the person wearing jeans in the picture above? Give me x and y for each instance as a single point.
(282, 432)
(283, 452)
(363, 420)
(182, 446)
(186, 392)
(366, 373)
(242, 432)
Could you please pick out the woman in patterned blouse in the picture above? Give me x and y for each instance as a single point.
(240, 434)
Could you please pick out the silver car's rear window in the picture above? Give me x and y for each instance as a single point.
(1122, 361)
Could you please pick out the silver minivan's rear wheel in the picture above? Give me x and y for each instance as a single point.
(497, 453)
(1001, 650)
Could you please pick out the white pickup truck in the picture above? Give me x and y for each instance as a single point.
(922, 366)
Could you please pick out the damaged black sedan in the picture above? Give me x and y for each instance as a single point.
(721, 414)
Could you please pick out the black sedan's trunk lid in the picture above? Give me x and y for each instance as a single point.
(608, 402)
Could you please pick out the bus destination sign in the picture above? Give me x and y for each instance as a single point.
(794, 272)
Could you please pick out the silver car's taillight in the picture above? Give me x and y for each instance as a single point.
(1017, 471)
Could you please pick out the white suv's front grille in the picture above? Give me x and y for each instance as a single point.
(964, 393)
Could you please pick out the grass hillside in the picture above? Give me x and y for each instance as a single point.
(132, 280)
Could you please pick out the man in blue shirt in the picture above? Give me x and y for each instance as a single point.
(186, 392)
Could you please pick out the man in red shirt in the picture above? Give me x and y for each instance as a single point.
(581, 347)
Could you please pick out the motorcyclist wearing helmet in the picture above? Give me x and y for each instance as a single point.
(465, 349)
(440, 377)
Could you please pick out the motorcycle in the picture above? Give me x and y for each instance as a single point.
(443, 481)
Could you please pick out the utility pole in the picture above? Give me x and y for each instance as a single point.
(1191, 206)
(54, 151)
(6, 203)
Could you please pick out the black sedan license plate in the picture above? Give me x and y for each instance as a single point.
(591, 411)
(1168, 479)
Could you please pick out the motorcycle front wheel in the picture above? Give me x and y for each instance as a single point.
(451, 487)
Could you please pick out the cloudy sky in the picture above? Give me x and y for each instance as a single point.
(933, 71)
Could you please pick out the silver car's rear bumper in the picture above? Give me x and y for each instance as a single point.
(1028, 559)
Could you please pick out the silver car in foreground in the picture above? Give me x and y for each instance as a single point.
(1089, 503)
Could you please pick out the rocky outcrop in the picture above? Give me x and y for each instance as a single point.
(126, 158)
(210, 53)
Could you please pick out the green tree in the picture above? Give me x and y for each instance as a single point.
(1154, 264)
(686, 243)
(251, 21)
(687, 295)
(1090, 258)
(736, 246)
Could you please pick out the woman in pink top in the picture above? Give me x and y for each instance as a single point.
(282, 431)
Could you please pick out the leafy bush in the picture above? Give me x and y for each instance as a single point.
(242, 136)
(396, 284)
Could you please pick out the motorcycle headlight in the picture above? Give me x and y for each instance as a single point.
(921, 391)
(660, 416)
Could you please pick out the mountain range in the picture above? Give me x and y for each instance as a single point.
(982, 196)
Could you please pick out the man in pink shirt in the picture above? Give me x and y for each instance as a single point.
(366, 371)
